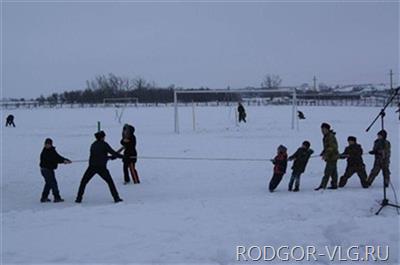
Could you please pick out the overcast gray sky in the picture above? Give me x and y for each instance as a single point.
(52, 47)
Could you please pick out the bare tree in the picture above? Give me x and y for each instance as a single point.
(271, 81)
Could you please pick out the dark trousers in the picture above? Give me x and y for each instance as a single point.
(295, 178)
(242, 117)
(379, 165)
(330, 172)
(50, 183)
(129, 166)
(350, 171)
(9, 123)
(275, 180)
(104, 174)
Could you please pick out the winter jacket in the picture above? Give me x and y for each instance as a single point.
(99, 151)
(129, 148)
(330, 152)
(382, 150)
(49, 158)
(301, 157)
(353, 153)
(241, 109)
(280, 163)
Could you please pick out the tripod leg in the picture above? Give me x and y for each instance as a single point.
(380, 209)
(394, 205)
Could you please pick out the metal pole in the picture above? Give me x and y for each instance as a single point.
(295, 112)
(176, 112)
(193, 117)
(293, 108)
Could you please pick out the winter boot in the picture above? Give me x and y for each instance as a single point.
(44, 200)
(58, 200)
(342, 182)
(118, 200)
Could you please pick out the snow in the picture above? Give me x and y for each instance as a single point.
(187, 211)
(363, 88)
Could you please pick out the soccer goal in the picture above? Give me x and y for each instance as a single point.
(281, 96)
(119, 105)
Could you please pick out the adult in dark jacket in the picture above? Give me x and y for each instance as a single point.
(99, 151)
(10, 120)
(300, 157)
(241, 112)
(49, 160)
(355, 164)
(330, 155)
(280, 165)
(382, 152)
(128, 143)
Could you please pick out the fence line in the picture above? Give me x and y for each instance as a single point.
(364, 102)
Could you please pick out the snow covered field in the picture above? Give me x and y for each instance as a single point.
(187, 211)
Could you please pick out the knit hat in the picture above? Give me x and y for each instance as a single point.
(383, 133)
(307, 144)
(99, 135)
(352, 139)
(326, 126)
(48, 141)
(282, 148)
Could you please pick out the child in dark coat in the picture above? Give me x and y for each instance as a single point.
(300, 157)
(49, 160)
(280, 165)
(381, 151)
(128, 143)
(355, 164)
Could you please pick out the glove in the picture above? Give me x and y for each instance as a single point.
(372, 152)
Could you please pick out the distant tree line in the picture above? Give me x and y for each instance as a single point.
(113, 86)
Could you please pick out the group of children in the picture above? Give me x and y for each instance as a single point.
(100, 152)
(330, 154)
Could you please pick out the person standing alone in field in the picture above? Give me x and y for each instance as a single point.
(99, 151)
(300, 157)
(49, 160)
(10, 120)
(241, 112)
(330, 155)
(130, 154)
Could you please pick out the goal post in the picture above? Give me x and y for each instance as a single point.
(289, 90)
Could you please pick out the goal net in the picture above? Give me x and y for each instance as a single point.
(219, 108)
(119, 102)
(119, 105)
